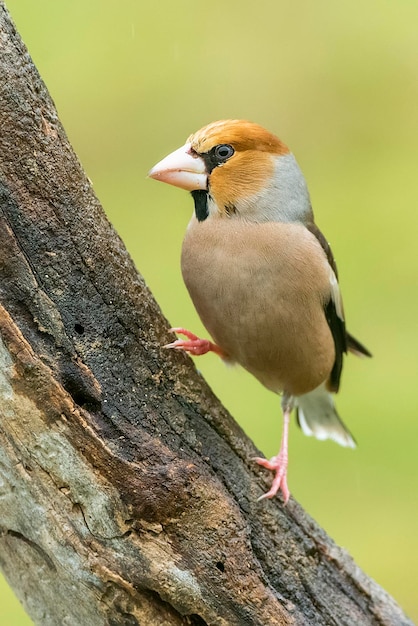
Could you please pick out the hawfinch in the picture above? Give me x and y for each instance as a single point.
(262, 276)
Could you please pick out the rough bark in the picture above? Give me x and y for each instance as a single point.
(127, 492)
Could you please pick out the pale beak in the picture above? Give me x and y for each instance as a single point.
(183, 169)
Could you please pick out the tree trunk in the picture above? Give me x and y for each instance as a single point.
(127, 492)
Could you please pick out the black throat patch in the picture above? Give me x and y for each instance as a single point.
(200, 197)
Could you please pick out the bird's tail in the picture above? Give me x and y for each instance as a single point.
(317, 417)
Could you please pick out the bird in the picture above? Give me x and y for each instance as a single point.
(262, 276)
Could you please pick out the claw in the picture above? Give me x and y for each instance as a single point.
(278, 464)
(193, 344)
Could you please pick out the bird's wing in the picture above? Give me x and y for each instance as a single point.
(334, 313)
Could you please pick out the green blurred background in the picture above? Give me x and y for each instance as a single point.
(338, 82)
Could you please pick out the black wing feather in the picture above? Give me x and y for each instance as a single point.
(356, 347)
(339, 334)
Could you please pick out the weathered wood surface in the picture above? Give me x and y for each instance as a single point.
(127, 493)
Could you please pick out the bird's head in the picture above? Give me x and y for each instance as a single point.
(238, 169)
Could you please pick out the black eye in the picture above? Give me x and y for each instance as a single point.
(217, 156)
(223, 152)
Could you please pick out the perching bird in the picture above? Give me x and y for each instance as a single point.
(262, 276)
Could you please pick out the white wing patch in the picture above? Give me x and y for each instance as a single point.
(336, 293)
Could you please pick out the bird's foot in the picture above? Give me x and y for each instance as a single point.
(277, 464)
(193, 344)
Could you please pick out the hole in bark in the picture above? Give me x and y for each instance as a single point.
(78, 384)
(196, 620)
(79, 329)
(220, 566)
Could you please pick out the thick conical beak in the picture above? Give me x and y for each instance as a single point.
(181, 168)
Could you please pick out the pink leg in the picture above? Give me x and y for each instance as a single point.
(194, 345)
(279, 463)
